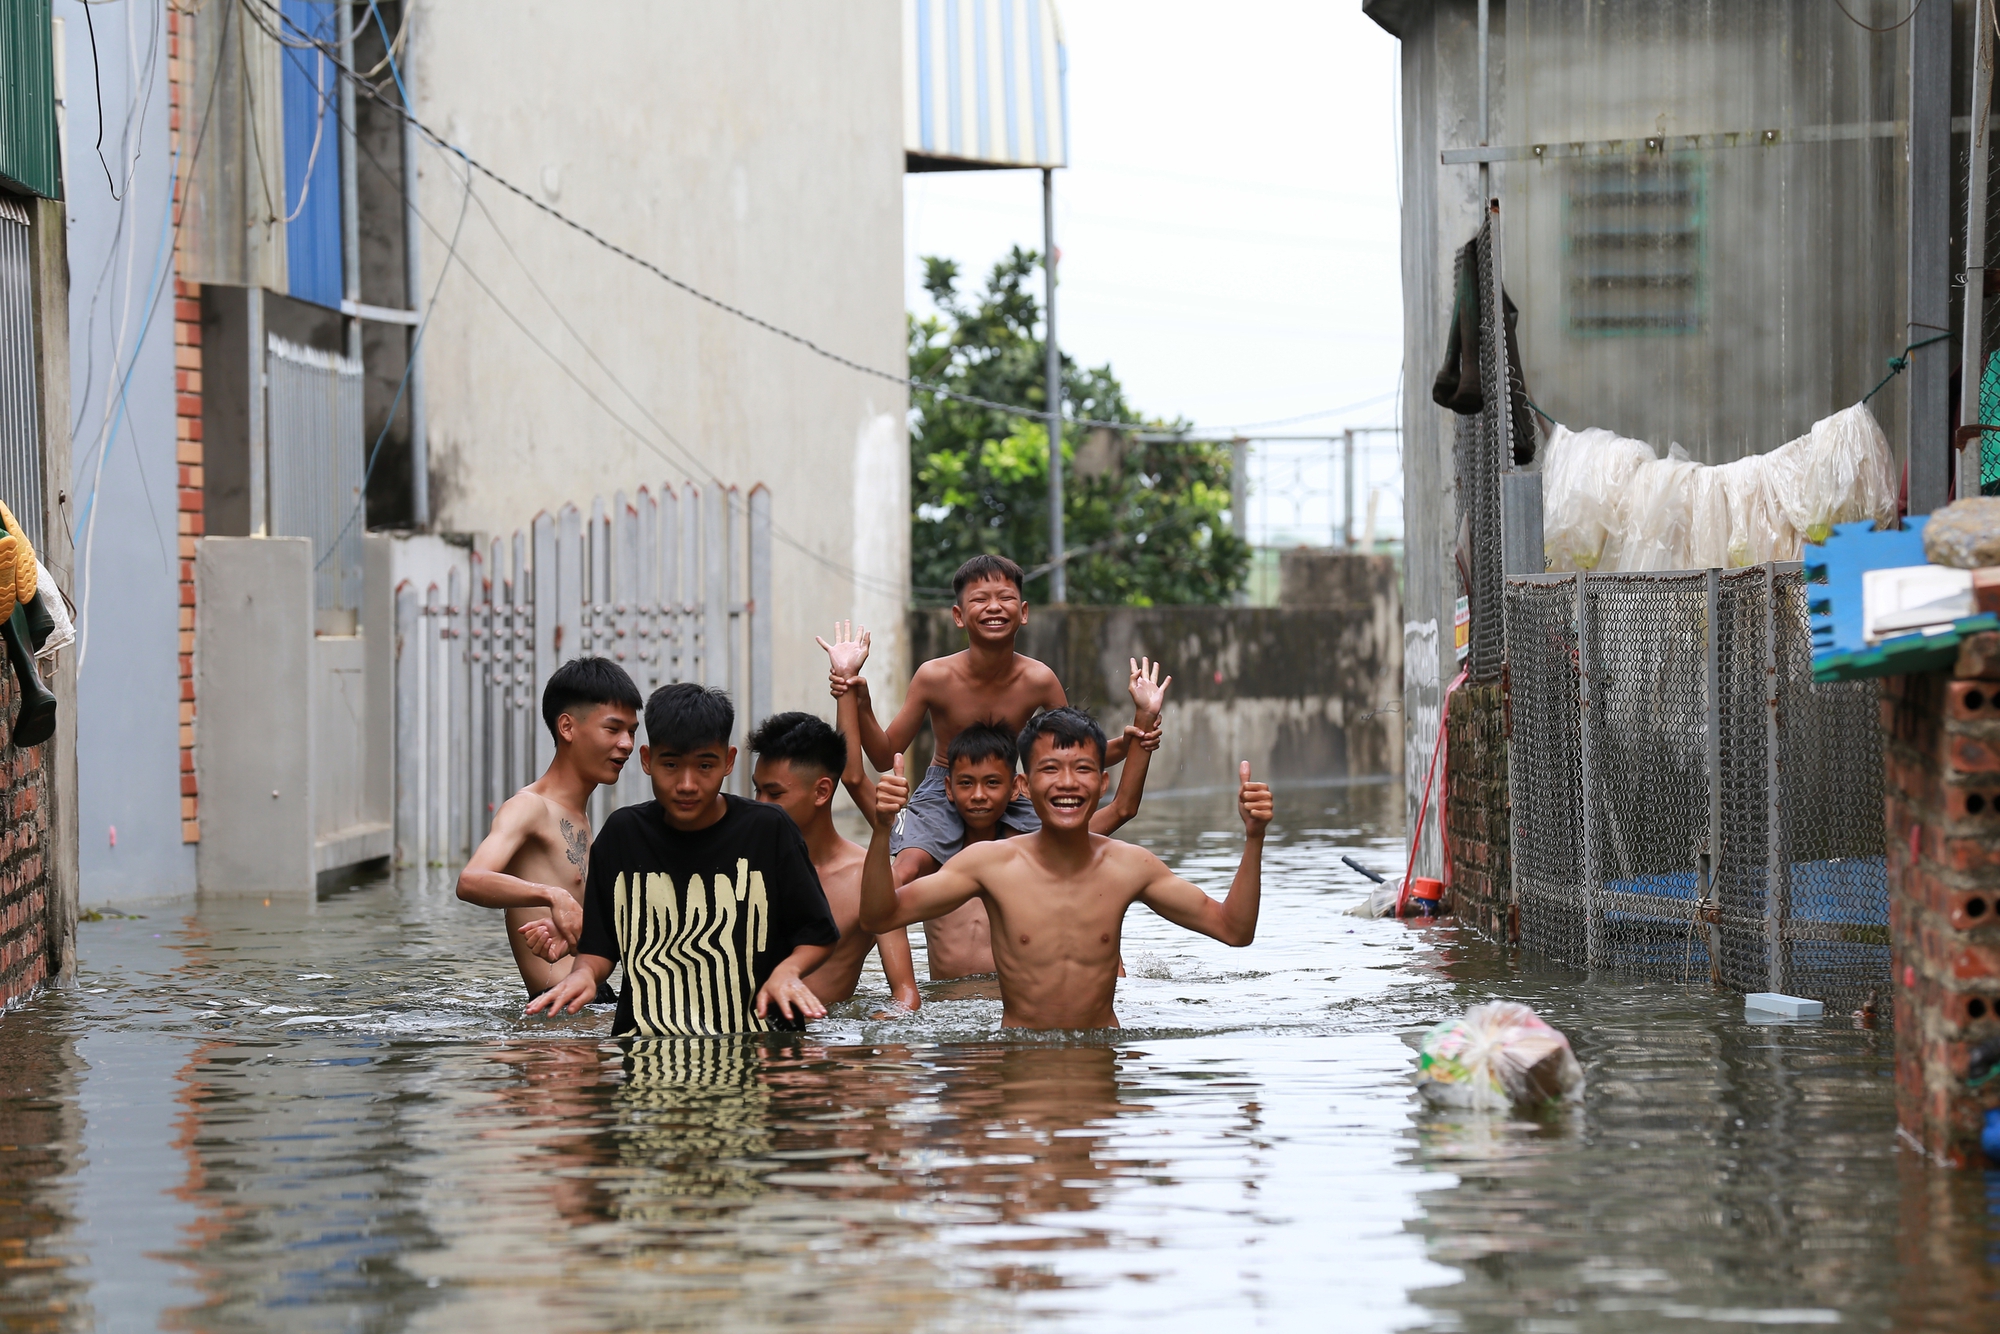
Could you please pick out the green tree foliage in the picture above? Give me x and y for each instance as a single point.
(1144, 520)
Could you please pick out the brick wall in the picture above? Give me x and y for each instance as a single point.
(1941, 790)
(1478, 814)
(26, 869)
(187, 442)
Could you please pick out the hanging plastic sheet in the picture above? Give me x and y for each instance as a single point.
(1614, 504)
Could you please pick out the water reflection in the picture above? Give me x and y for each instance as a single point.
(332, 1115)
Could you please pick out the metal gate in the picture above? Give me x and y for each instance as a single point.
(20, 421)
(313, 411)
(1688, 802)
(673, 586)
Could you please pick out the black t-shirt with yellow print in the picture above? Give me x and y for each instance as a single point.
(700, 919)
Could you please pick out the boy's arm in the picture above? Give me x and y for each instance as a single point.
(1149, 695)
(577, 988)
(786, 987)
(485, 881)
(1234, 920)
(855, 776)
(884, 743)
(885, 907)
(899, 967)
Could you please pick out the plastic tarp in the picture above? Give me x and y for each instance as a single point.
(1611, 503)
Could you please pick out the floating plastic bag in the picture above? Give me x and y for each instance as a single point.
(1381, 900)
(1584, 475)
(1498, 1055)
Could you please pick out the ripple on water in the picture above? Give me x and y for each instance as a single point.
(320, 1117)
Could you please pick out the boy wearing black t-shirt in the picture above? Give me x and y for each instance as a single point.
(711, 901)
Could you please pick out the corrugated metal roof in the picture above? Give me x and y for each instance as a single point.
(983, 85)
(29, 155)
(312, 157)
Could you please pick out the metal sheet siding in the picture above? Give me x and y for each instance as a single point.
(983, 83)
(30, 158)
(312, 158)
(20, 417)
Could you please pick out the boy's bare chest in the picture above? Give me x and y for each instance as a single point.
(964, 700)
(559, 854)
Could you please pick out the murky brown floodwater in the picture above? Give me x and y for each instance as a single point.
(334, 1117)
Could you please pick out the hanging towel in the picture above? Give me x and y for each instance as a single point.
(1463, 392)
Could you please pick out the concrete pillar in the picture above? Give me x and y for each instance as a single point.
(1941, 787)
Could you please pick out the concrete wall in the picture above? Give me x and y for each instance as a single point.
(753, 149)
(122, 478)
(1298, 692)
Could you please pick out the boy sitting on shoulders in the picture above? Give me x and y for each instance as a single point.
(532, 861)
(986, 682)
(982, 783)
(1057, 897)
(710, 901)
(799, 760)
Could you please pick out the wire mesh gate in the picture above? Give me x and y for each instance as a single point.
(1687, 800)
(673, 586)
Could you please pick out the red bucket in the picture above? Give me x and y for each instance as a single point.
(1425, 895)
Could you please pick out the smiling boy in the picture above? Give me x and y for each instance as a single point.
(985, 682)
(532, 861)
(1057, 897)
(711, 901)
(799, 761)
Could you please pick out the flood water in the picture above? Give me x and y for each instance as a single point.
(333, 1116)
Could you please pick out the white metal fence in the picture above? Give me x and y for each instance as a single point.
(673, 586)
(314, 406)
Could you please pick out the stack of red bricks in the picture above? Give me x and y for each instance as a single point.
(24, 866)
(1941, 785)
(1477, 811)
(187, 414)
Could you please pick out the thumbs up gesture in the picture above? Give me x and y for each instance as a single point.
(1254, 800)
(892, 793)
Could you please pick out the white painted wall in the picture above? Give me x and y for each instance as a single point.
(753, 148)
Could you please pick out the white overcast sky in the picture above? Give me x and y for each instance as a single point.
(1228, 223)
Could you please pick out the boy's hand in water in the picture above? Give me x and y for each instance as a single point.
(544, 939)
(577, 989)
(1148, 691)
(892, 792)
(845, 655)
(1254, 800)
(788, 992)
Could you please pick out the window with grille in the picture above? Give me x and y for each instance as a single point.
(1633, 248)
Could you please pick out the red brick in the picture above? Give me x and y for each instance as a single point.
(188, 405)
(190, 500)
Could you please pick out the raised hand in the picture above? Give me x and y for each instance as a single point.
(1254, 800)
(892, 793)
(1149, 692)
(845, 655)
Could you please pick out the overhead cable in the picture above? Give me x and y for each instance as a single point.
(908, 382)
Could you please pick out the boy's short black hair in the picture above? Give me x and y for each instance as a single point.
(982, 741)
(986, 567)
(802, 738)
(684, 717)
(591, 681)
(1067, 726)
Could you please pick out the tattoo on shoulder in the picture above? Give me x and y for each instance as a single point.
(576, 842)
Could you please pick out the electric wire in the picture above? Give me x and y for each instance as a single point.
(97, 84)
(1915, 5)
(907, 382)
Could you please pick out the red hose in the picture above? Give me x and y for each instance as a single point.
(1424, 805)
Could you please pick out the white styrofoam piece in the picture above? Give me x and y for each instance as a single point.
(1788, 1007)
(1912, 599)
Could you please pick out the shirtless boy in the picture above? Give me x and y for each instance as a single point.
(981, 782)
(986, 682)
(799, 760)
(1057, 897)
(532, 862)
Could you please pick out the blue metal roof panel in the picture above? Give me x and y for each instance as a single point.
(983, 83)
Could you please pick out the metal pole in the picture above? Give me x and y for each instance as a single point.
(1973, 328)
(1485, 110)
(1347, 494)
(1711, 759)
(1058, 575)
(1593, 943)
(350, 202)
(260, 457)
(1927, 411)
(420, 463)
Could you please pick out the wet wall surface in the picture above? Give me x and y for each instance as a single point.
(333, 1116)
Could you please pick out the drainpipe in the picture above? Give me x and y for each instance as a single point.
(350, 202)
(1058, 570)
(1485, 121)
(420, 463)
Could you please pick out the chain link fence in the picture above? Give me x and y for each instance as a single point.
(1688, 802)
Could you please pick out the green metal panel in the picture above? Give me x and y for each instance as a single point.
(29, 156)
